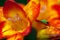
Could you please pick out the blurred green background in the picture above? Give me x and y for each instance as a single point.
(2, 2)
(17, 1)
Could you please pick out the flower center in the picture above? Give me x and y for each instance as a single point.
(17, 23)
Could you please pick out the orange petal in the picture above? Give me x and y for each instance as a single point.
(15, 37)
(1, 26)
(55, 22)
(32, 9)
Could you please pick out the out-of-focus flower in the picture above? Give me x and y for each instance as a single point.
(56, 7)
(32, 9)
(43, 34)
(55, 21)
(17, 21)
(46, 10)
(2, 24)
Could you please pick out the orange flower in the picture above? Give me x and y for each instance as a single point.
(56, 7)
(55, 21)
(32, 9)
(17, 23)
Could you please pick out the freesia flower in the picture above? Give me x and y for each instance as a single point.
(17, 21)
(56, 7)
(32, 9)
(55, 21)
